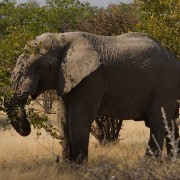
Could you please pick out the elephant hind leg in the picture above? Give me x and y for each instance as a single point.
(156, 125)
(172, 135)
(160, 113)
(155, 144)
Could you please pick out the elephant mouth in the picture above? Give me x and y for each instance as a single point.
(22, 97)
(34, 96)
(39, 90)
(25, 95)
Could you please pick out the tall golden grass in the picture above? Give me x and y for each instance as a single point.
(32, 158)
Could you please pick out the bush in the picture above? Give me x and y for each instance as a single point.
(160, 19)
(114, 20)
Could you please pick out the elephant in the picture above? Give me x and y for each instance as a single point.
(130, 76)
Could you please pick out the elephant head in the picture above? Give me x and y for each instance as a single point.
(51, 61)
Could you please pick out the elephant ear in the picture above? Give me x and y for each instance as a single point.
(81, 59)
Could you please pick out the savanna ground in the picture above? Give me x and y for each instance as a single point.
(36, 158)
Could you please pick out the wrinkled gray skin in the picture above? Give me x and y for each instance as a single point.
(130, 76)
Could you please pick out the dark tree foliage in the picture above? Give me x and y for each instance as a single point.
(106, 130)
(20, 23)
(161, 20)
(114, 20)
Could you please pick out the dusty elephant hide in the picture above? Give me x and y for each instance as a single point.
(131, 76)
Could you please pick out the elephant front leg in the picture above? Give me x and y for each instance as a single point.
(63, 128)
(79, 129)
(83, 105)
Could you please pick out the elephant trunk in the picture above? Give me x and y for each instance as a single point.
(17, 115)
(15, 105)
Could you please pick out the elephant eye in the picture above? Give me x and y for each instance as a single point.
(50, 66)
(37, 67)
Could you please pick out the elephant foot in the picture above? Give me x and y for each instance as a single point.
(68, 157)
(151, 156)
(153, 153)
(174, 151)
(81, 159)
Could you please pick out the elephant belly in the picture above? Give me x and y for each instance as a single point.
(128, 105)
(120, 112)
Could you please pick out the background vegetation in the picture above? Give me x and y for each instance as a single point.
(20, 23)
(161, 19)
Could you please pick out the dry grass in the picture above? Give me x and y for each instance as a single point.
(32, 158)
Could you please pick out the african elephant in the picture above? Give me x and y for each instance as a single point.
(131, 76)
